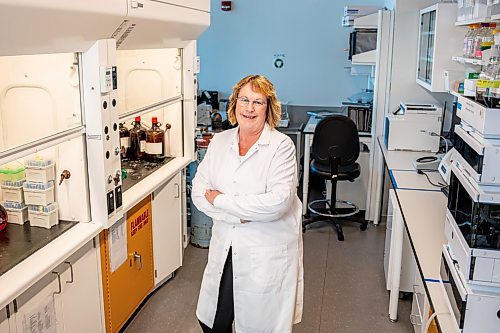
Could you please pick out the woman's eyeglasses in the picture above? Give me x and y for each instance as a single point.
(256, 103)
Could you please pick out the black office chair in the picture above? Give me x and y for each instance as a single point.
(335, 150)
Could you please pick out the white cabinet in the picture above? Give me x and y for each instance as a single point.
(40, 306)
(80, 298)
(408, 264)
(68, 298)
(439, 40)
(4, 321)
(7, 322)
(167, 228)
(420, 306)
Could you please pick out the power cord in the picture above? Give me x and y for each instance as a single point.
(435, 134)
(439, 184)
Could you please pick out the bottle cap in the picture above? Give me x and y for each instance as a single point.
(138, 118)
(154, 120)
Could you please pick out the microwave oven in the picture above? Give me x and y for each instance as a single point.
(362, 40)
(473, 310)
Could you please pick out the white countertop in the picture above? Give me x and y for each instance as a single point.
(400, 159)
(424, 213)
(18, 279)
(411, 180)
(423, 207)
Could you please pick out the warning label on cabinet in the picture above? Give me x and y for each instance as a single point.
(139, 222)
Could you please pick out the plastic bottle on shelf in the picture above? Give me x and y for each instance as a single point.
(137, 140)
(468, 40)
(124, 141)
(482, 33)
(487, 39)
(154, 142)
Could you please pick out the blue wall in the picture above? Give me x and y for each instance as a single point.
(309, 33)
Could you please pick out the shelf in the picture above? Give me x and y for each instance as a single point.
(474, 21)
(366, 22)
(495, 17)
(469, 61)
(456, 94)
(365, 58)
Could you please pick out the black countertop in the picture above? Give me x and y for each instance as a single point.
(138, 170)
(18, 242)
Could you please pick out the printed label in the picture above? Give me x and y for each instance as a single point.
(125, 142)
(154, 148)
(93, 137)
(142, 146)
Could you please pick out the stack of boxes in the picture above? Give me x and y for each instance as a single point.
(39, 193)
(470, 270)
(12, 177)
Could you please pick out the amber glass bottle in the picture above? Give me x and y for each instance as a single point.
(137, 140)
(124, 141)
(154, 142)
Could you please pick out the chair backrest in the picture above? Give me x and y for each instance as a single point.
(335, 136)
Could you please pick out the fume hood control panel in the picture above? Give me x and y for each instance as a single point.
(108, 79)
(103, 141)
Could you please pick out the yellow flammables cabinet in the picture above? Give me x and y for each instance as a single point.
(127, 276)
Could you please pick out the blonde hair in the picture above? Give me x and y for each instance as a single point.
(262, 85)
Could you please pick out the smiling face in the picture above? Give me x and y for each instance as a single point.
(251, 109)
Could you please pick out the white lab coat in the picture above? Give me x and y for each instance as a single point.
(267, 251)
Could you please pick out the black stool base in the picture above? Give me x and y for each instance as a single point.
(338, 227)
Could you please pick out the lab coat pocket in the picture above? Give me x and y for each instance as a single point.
(268, 264)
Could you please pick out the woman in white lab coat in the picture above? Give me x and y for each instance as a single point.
(247, 183)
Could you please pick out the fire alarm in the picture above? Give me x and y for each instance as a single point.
(226, 6)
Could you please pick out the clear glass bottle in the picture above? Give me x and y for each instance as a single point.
(137, 140)
(3, 218)
(124, 141)
(154, 142)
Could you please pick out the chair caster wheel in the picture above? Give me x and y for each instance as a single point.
(340, 237)
(363, 226)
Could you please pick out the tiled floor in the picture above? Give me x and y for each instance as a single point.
(344, 288)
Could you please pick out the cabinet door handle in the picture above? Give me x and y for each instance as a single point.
(71, 272)
(58, 282)
(413, 322)
(137, 256)
(178, 190)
